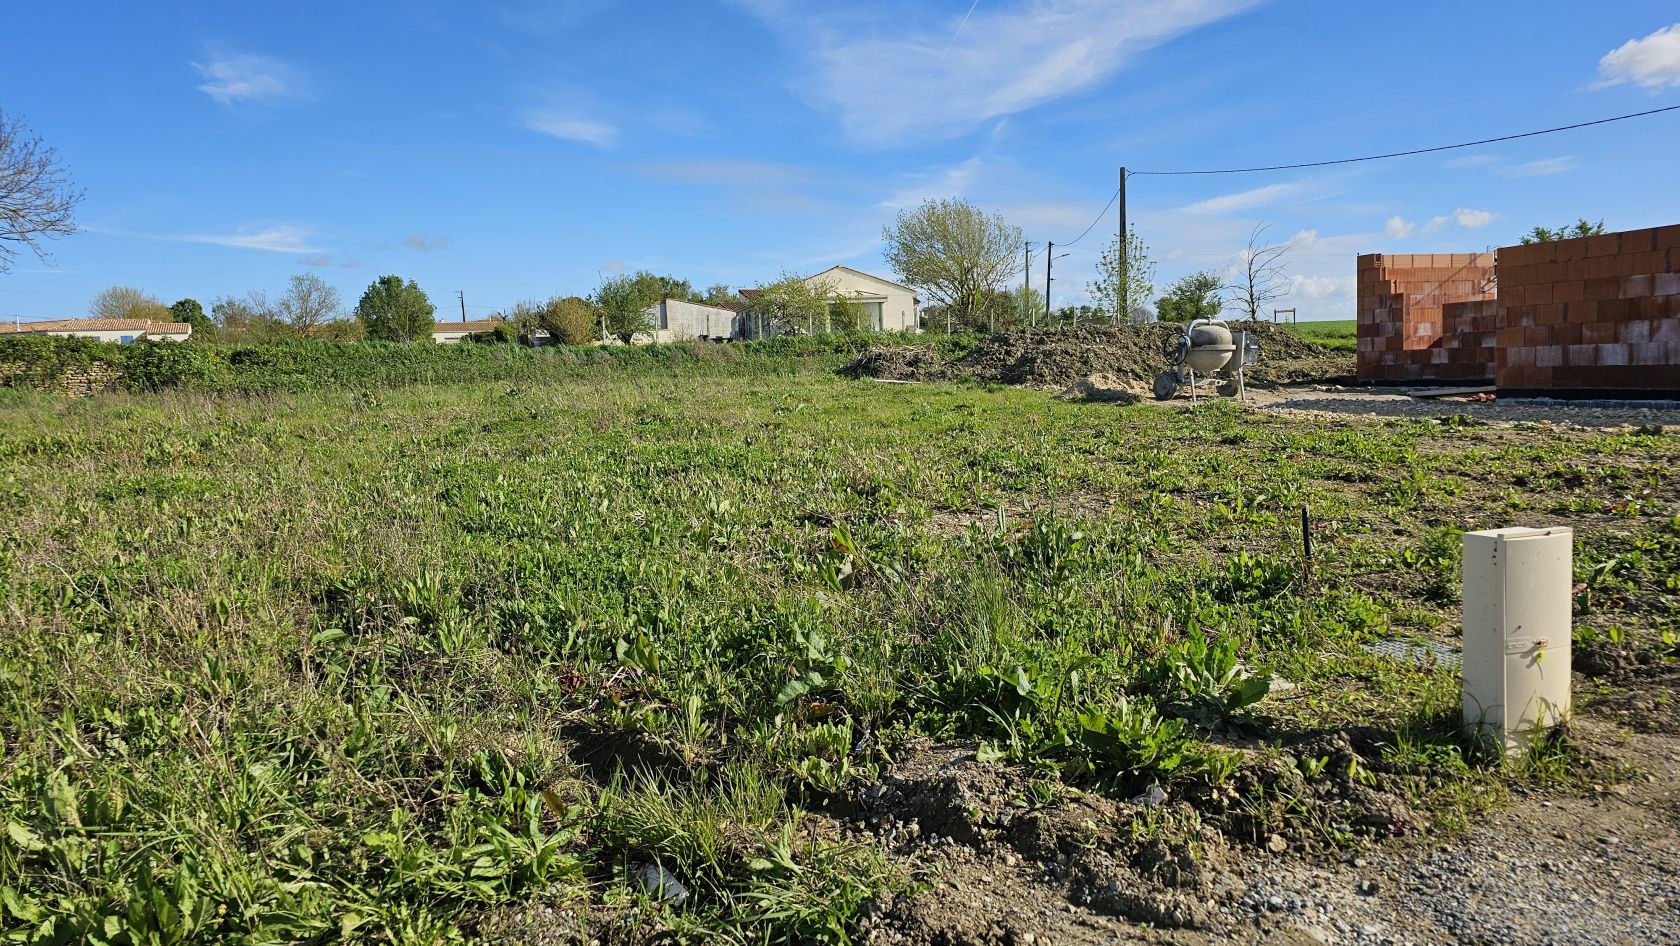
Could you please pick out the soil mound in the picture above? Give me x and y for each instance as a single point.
(1124, 356)
(890, 363)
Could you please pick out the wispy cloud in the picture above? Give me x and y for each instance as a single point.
(1397, 227)
(891, 80)
(232, 78)
(1542, 167)
(1472, 161)
(724, 171)
(282, 238)
(424, 243)
(570, 127)
(320, 259)
(278, 239)
(1651, 62)
(953, 181)
(1264, 196)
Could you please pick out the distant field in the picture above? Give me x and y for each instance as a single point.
(1337, 333)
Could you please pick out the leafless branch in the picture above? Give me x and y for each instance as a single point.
(37, 200)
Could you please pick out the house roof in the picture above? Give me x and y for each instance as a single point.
(864, 275)
(96, 325)
(478, 325)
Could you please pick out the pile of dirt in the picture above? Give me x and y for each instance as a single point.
(1128, 354)
(895, 363)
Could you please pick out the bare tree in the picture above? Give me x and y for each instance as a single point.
(36, 199)
(1262, 280)
(308, 302)
(956, 252)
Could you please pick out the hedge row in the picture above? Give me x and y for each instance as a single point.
(40, 360)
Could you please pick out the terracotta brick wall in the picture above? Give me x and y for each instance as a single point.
(1426, 316)
(1593, 312)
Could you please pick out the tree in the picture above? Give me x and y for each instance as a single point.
(126, 302)
(396, 311)
(1581, 228)
(623, 303)
(795, 304)
(1261, 281)
(569, 321)
(1195, 296)
(953, 251)
(190, 312)
(718, 294)
(308, 302)
(665, 287)
(1126, 288)
(36, 199)
(250, 319)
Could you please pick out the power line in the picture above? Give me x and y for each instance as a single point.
(1403, 154)
(1094, 223)
(1371, 157)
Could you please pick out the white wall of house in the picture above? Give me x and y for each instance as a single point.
(675, 320)
(890, 306)
(451, 333)
(121, 331)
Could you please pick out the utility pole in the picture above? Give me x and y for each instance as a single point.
(463, 297)
(1049, 256)
(1123, 289)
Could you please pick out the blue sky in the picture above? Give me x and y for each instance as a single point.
(523, 149)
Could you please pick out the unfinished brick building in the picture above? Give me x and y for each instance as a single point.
(1597, 314)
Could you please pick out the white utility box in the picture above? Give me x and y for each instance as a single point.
(1518, 627)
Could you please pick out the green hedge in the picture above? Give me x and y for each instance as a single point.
(303, 365)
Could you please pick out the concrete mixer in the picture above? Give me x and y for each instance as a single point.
(1207, 352)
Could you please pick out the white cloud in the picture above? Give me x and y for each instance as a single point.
(570, 128)
(1397, 227)
(1542, 167)
(232, 78)
(953, 181)
(1250, 199)
(1304, 239)
(1651, 62)
(278, 239)
(1472, 219)
(894, 82)
(1322, 287)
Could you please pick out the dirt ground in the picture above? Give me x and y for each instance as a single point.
(1054, 359)
(1332, 400)
(1600, 864)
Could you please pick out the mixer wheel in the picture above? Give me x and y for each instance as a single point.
(1166, 385)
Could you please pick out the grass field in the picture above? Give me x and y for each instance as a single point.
(1337, 333)
(393, 666)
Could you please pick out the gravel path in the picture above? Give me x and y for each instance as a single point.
(1325, 400)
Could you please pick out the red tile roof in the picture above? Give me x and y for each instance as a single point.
(96, 325)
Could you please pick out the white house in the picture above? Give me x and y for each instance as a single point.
(450, 333)
(676, 320)
(887, 306)
(106, 330)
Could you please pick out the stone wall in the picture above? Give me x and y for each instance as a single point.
(76, 381)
